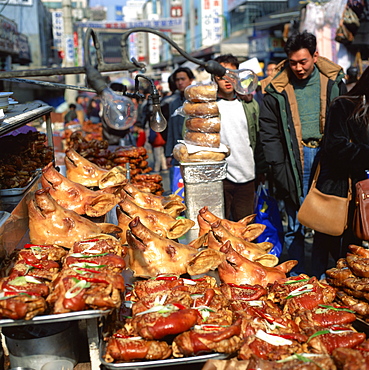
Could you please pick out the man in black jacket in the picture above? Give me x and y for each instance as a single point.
(292, 121)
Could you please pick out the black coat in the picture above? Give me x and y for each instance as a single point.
(345, 149)
(279, 138)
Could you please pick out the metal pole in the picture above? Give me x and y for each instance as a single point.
(69, 95)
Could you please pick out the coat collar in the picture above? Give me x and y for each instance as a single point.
(281, 77)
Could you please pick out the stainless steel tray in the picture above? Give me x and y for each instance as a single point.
(44, 319)
(159, 363)
(19, 191)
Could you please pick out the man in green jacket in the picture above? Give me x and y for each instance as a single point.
(239, 131)
(292, 119)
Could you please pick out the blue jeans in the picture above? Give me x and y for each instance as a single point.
(295, 235)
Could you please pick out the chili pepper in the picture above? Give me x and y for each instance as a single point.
(334, 328)
(180, 306)
(243, 287)
(211, 327)
(35, 265)
(27, 246)
(363, 349)
(263, 315)
(16, 293)
(89, 241)
(168, 278)
(90, 280)
(297, 279)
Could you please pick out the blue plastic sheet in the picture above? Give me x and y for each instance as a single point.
(267, 213)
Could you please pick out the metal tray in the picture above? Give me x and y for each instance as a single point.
(19, 191)
(44, 319)
(159, 363)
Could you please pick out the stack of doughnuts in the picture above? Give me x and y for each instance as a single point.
(202, 115)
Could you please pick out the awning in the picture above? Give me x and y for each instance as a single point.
(278, 18)
(238, 45)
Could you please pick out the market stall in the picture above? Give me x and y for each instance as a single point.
(92, 262)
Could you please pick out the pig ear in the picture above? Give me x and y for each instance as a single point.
(200, 242)
(179, 228)
(123, 222)
(247, 220)
(174, 208)
(204, 226)
(206, 260)
(213, 242)
(252, 231)
(100, 205)
(265, 246)
(172, 198)
(287, 266)
(116, 176)
(109, 228)
(267, 260)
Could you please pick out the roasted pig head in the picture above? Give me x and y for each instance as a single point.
(171, 204)
(50, 223)
(238, 270)
(151, 255)
(253, 251)
(74, 196)
(84, 172)
(159, 222)
(243, 228)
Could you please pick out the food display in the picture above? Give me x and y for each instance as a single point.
(47, 279)
(97, 153)
(289, 321)
(350, 277)
(221, 293)
(21, 156)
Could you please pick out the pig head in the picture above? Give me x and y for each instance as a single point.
(171, 204)
(74, 196)
(84, 172)
(159, 222)
(253, 251)
(151, 255)
(50, 223)
(243, 228)
(238, 270)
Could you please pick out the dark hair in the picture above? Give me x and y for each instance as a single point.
(298, 41)
(359, 95)
(72, 106)
(352, 72)
(228, 59)
(272, 62)
(186, 70)
(172, 83)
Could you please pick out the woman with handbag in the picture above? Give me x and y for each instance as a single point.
(344, 155)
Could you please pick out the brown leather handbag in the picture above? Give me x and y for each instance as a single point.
(361, 215)
(325, 213)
